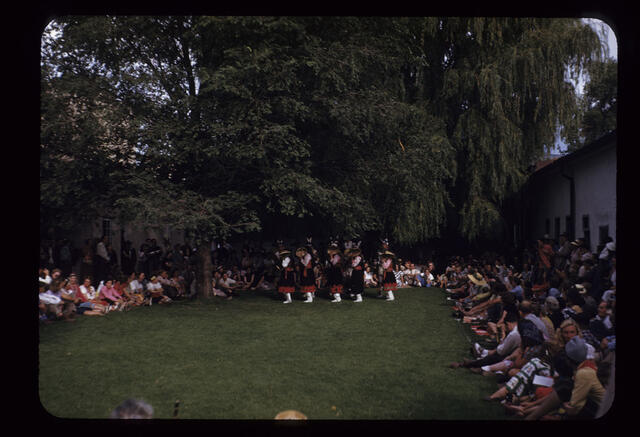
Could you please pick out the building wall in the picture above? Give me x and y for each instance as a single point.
(550, 199)
(548, 195)
(595, 177)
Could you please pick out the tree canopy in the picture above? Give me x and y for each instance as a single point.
(402, 125)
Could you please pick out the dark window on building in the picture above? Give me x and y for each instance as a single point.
(586, 231)
(547, 226)
(568, 225)
(603, 234)
(556, 230)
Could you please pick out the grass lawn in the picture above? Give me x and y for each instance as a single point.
(251, 357)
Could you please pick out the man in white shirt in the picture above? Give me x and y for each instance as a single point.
(506, 347)
(227, 285)
(157, 292)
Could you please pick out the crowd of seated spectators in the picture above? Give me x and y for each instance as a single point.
(544, 321)
(155, 275)
(544, 327)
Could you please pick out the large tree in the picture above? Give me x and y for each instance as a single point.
(218, 125)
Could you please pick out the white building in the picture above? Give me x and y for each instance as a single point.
(576, 194)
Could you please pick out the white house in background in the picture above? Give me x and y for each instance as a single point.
(576, 194)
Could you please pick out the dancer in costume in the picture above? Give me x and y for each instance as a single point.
(356, 283)
(307, 276)
(335, 279)
(384, 248)
(389, 283)
(280, 247)
(287, 280)
(315, 259)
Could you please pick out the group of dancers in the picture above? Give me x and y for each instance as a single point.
(344, 271)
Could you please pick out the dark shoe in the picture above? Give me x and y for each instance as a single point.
(476, 370)
(502, 378)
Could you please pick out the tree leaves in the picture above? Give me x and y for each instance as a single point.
(364, 123)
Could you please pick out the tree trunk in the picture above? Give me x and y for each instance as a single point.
(204, 274)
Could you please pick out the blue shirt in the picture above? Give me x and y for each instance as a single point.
(517, 290)
(553, 292)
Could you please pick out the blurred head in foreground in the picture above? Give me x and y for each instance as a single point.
(290, 415)
(132, 409)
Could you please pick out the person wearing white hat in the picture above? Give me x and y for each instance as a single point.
(607, 250)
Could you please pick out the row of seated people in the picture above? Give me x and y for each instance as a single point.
(63, 298)
(551, 352)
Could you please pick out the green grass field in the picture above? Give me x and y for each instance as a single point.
(251, 357)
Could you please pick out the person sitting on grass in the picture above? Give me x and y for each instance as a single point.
(178, 282)
(579, 397)
(544, 399)
(552, 312)
(68, 297)
(370, 278)
(484, 357)
(495, 320)
(122, 286)
(134, 290)
(527, 311)
(43, 276)
(86, 301)
(602, 325)
(568, 329)
(520, 387)
(478, 292)
(168, 287)
(227, 285)
(157, 292)
(139, 287)
(49, 304)
(461, 290)
(497, 290)
(256, 278)
(517, 289)
(110, 296)
(531, 346)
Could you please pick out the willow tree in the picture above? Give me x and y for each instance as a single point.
(388, 156)
(503, 88)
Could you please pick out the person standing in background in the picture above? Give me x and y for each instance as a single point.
(128, 258)
(101, 259)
